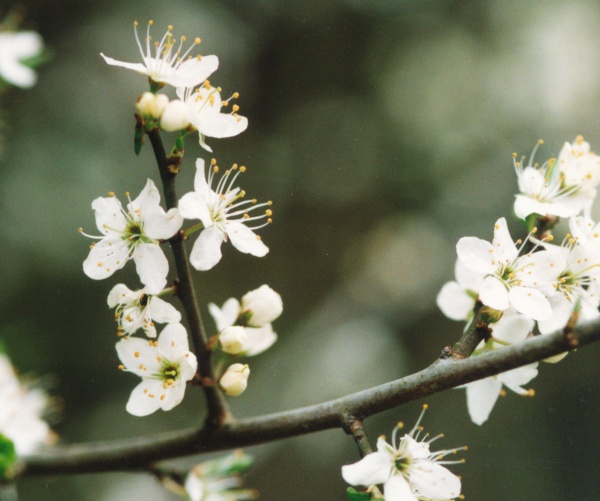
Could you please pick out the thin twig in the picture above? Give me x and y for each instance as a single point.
(218, 409)
(442, 375)
(355, 428)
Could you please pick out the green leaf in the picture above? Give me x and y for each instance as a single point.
(353, 495)
(8, 456)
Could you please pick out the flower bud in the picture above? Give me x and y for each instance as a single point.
(235, 379)
(262, 306)
(153, 105)
(175, 116)
(233, 339)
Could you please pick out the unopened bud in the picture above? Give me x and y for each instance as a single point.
(175, 116)
(235, 379)
(262, 306)
(233, 339)
(152, 105)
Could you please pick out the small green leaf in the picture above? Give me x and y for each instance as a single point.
(353, 495)
(8, 456)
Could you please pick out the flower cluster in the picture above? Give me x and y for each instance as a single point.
(136, 232)
(534, 281)
(407, 468)
(22, 407)
(245, 330)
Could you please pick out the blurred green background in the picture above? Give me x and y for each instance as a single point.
(383, 132)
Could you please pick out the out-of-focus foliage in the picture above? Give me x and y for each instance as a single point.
(383, 132)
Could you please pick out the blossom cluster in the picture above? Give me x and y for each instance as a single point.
(137, 231)
(532, 282)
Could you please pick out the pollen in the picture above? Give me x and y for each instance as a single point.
(111, 193)
(121, 367)
(243, 168)
(100, 264)
(136, 354)
(502, 392)
(269, 212)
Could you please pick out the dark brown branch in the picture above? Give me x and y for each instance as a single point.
(442, 375)
(218, 410)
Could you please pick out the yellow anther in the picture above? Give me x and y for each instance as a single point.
(213, 161)
(219, 89)
(135, 24)
(269, 203)
(197, 40)
(269, 220)
(136, 354)
(216, 169)
(206, 84)
(121, 367)
(100, 264)
(162, 397)
(254, 200)
(127, 194)
(502, 392)
(170, 27)
(242, 168)
(425, 406)
(235, 107)
(540, 141)
(236, 95)
(399, 425)
(579, 139)
(531, 392)
(269, 212)
(234, 166)
(534, 229)
(150, 23)
(514, 155)
(80, 229)
(111, 193)
(246, 216)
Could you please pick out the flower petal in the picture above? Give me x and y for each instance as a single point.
(374, 468)
(139, 67)
(493, 293)
(193, 71)
(481, 398)
(476, 254)
(206, 252)
(109, 215)
(138, 356)
(398, 489)
(433, 481)
(145, 398)
(225, 316)
(121, 294)
(151, 266)
(173, 342)
(454, 302)
(245, 240)
(530, 302)
(193, 205)
(162, 312)
(106, 257)
(259, 339)
(222, 125)
(161, 225)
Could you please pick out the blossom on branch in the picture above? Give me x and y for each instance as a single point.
(407, 468)
(204, 111)
(457, 298)
(169, 64)
(139, 310)
(164, 365)
(483, 394)
(134, 234)
(510, 279)
(235, 380)
(223, 214)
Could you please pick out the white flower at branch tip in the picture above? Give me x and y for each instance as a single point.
(233, 339)
(510, 279)
(457, 298)
(139, 310)
(407, 468)
(21, 411)
(16, 47)
(134, 234)
(204, 107)
(168, 64)
(544, 191)
(262, 306)
(235, 380)
(164, 365)
(483, 394)
(223, 214)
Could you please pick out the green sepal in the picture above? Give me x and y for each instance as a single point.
(138, 139)
(353, 495)
(8, 456)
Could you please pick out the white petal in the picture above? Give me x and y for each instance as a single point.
(163, 312)
(139, 67)
(513, 328)
(121, 294)
(200, 184)
(519, 377)
(193, 71)
(109, 215)
(258, 340)
(398, 489)
(454, 302)
(172, 396)
(374, 468)
(503, 245)
(227, 315)
(192, 205)
(173, 342)
(206, 252)
(562, 310)
(433, 481)
(138, 356)
(145, 398)
(530, 302)
(148, 198)
(468, 280)
(481, 398)
(493, 293)
(245, 240)
(151, 266)
(224, 125)
(106, 257)
(161, 225)
(476, 254)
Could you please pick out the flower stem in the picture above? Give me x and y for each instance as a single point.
(218, 409)
(354, 427)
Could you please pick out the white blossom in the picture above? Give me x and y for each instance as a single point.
(21, 411)
(223, 214)
(235, 379)
(510, 279)
(168, 64)
(580, 166)
(151, 105)
(134, 234)
(233, 339)
(204, 111)
(457, 298)
(483, 394)
(262, 306)
(407, 468)
(174, 117)
(140, 310)
(16, 47)
(164, 365)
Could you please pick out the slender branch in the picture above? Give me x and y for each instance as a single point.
(218, 410)
(444, 374)
(355, 428)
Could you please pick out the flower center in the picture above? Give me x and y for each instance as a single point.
(402, 464)
(169, 373)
